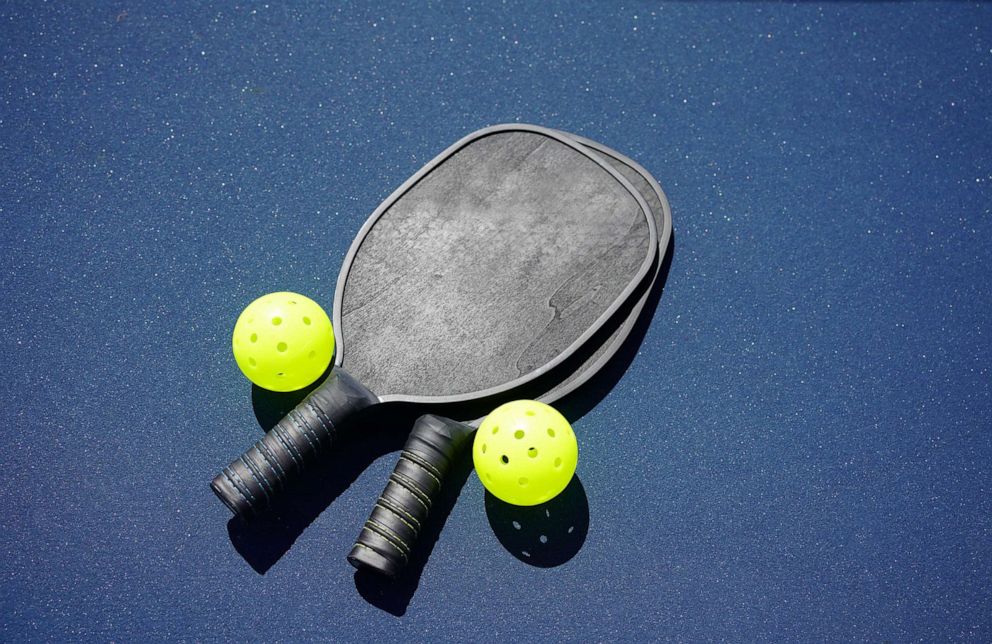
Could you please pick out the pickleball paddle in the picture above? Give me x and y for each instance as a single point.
(435, 442)
(485, 270)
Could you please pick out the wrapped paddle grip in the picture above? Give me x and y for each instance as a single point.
(255, 479)
(385, 543)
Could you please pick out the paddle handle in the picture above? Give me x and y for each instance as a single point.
(254, 480)
(386, 541)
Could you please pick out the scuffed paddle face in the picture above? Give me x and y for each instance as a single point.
(489, 267)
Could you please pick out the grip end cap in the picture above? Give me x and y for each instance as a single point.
(364, 558)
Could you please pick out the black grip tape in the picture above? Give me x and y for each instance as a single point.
(257, 478)
(387, 539)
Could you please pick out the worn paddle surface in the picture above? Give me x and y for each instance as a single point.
(492, 265)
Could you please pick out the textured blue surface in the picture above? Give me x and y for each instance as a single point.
(800, 449)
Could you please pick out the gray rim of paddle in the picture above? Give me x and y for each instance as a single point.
(565, 139)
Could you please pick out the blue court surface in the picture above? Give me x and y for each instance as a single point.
(797, 447)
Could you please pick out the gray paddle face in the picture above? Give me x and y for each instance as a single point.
(597, 356)
(490, 266)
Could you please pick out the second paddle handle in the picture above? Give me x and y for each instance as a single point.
(417, 481)
(255, 479)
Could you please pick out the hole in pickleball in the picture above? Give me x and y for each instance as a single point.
(254, 337)
(551, 432)
(543, 538)
(281, 374)
(312, 355)
(252, 362)
(529, 412)
(495, 429)
(306, 320)
(276, 321)
(532, 452)
(484, 446)
(516, 524)
(505, 459)
(523, 480)
(282, 346)
(292, 301)
(558, 462)
(518, 434)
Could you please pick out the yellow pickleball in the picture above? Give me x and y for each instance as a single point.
(525, 452)
(283, 341)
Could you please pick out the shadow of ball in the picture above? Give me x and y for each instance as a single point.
(544, 535)
(271, 406)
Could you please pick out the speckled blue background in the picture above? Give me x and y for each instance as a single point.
(800, 449)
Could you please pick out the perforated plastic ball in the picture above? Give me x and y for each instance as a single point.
(525, 452)
(283, 341)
